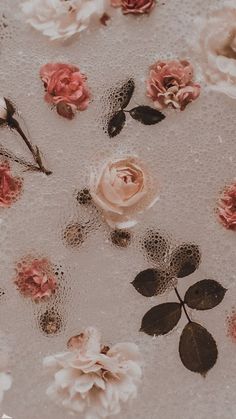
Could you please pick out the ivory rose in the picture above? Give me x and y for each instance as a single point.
(122, 189)
(10, 186)
(227, 207)
(61, 19)
(94, 379)
(35, 278)
(170, 83)
(217, 50)
(136, 7)
(65, 88)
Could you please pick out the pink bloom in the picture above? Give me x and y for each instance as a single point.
(231, 332)
(134, 6)
(10, 186)
(35, 278)
(227, 207)
(65, 87)
(171, 83)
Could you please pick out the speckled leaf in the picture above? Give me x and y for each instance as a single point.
(205, 294)
(116, 124)
(197, 348)
(127, 93)
(185, 260)
(161, 319)
(155, 245)
(149, 282)
(147, 115)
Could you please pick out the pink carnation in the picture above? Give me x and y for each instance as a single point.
(66, 88)
(10, 186)
(227, 207)
(35, 278)
(171, 83)
(134, 6)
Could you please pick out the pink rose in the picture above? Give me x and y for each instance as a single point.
(122, 189)
(171, 83)
(35, 278)
(10, 186)
(134, 6)
(66, 88)
(227, 207)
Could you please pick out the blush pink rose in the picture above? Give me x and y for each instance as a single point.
(10, 186)
(35, 278)
(65, 88)
(123, 188)
(171, 83)
(227, 207)
(134, 6)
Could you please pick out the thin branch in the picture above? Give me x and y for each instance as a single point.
(182, 304)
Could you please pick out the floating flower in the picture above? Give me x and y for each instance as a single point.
(10, 186)
(5, 376)
(93, 378)
(136, 7)
(122, 189)
(65, 88)
(231, 322)
(171, 83)
(217, 50)
(35, 278)
(5, 383)
(61, 19)
(227, 207)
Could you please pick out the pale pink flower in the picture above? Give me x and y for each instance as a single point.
(217, 50)
(227, 207)
(122, 188)
(35, 278)
(136, 7)
(65, 87)
(170, 83)
(10, 186)
(92, 378)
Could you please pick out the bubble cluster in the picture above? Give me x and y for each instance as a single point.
(185, 259)
(231, 325)
(121, 238)
(155, 245)
(50, 322)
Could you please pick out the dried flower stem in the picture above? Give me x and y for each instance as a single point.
(182, 304)
(34, 151)
(8, 154)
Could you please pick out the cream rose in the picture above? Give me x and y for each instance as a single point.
(217, 50)
(122, 189)
(61, 19)
(93, 379)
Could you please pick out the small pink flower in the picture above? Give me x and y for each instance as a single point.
(10, 186)
(231, 321)
(227, 207)
(66, 88)
(171, 83)
(134, 6)
(35, 278)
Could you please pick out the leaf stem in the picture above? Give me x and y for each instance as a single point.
(34, 151)
(8, 154)
(182, 304)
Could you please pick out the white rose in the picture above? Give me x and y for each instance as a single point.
(122, 189)
(217, 50)
(61, 19)
(92, 378)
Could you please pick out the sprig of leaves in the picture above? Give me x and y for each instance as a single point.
(144, 114)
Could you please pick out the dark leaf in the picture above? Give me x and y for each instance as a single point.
(155, 245)
(197, 349)
(65, 110)
(126, 93)
(116, 124)
(147, 115)
(10, 107)
(150, 282)
(185, 260)
(161, 319)
(204, 294)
